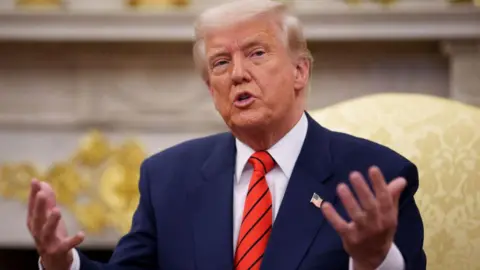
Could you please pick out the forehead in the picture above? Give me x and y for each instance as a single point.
(240, 33)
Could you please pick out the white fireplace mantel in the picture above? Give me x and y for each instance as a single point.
(402, 23)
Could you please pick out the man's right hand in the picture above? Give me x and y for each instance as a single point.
(47, 228)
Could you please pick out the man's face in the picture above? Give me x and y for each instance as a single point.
(252, 78)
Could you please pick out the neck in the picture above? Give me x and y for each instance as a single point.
(265, 137)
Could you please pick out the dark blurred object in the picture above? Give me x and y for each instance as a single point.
(27, 259)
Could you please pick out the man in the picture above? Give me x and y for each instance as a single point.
(274, 192)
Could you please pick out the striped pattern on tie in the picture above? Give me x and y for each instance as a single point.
(257, 215)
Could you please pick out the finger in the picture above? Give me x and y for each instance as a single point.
(337, 222)
(73, 241)
(365, 196)
(384, 198)
(34, 188)
(396, 188)
(50, 195)
(48, 230)
(39, 213)
(377, 178)
(351, 205)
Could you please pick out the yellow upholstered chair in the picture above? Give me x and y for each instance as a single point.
(442, 137)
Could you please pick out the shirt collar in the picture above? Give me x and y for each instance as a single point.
(285, 152)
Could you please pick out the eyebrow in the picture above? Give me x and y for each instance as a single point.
(246, 43)
(217, 53)
(251, 42)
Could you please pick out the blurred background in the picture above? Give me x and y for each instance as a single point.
(89, 88)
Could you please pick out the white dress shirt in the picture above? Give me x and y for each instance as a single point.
(285, 152)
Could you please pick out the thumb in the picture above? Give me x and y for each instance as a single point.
(396, 187)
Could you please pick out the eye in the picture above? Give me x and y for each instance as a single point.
(257, 53)
(220, 62)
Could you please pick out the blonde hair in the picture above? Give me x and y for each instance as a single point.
(291, 32)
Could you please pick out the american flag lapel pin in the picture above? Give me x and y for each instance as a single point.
(316, 200)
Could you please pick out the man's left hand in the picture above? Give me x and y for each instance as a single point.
(369, 235)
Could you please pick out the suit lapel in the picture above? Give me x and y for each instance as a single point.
(212, 207)
(298, 221)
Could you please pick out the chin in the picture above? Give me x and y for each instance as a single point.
(249, 119)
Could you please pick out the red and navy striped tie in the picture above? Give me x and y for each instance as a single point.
(257, 215)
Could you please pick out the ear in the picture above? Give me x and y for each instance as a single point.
(302, 74)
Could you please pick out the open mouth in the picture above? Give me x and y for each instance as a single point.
(244, 100)
(243, 96)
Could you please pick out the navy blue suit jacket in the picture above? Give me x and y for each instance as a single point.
(184, 219)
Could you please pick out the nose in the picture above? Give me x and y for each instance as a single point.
(239, 72)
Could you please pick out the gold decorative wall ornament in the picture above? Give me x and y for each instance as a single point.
(15, 180)
(98, 184)
(475, 3)
(156, 4)
(460, 1)
(40, 4)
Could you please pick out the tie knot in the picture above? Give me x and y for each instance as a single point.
(262, 162)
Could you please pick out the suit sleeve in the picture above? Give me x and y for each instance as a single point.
(410, 231)
(137, 249)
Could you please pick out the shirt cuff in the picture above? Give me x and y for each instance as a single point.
(75, 264)
(393, 261)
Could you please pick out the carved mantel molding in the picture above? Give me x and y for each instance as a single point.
(321, 23)
(106, 86)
